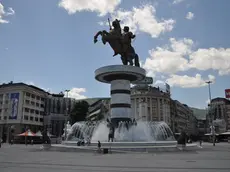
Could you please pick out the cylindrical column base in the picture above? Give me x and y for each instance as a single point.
(120, 101)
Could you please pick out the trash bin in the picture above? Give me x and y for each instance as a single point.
(105, 150)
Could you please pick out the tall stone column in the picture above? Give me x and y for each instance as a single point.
(120, 77)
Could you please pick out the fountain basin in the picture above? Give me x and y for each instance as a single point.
(119, 147)
(126, 144)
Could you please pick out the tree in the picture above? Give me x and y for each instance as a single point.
(79, 111)
(100, 116)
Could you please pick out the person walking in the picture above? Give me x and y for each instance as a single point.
(99, 146)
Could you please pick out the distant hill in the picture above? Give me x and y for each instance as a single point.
(199, 113)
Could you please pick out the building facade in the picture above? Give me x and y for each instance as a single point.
(200, 115)
(183, 118)
(57, 112)
(99, 109)
(25, 107)
(219, 111)
(151, 101)
(21, 107)
(228, 116)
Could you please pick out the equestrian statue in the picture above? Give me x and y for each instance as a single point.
(120, 41)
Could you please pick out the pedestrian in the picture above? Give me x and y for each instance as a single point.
(200, 142)
(99, 146)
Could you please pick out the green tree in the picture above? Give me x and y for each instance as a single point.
(100, 116)
(79, 111)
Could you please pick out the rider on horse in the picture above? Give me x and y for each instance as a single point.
(128, 49)
(120, 43)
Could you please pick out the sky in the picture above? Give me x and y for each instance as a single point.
(180, 42)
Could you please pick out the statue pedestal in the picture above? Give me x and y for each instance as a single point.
(120, 77)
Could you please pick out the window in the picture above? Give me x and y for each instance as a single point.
(27, 110)
(6, 110)
(31, 110)
(0, 118)
(27, 102)
(28, 94)
(33, 96)
(37, 104)
(6, 102)
(25, 117)
(0, 102)
(42, 99)
(0, 110)
(37, 112)
(42, 105)
(5, 117)
(41, 119)
(31, 118)
(41, 113)
(37, 97)
(36, 119)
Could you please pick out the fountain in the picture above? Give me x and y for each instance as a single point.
(142, 131)
(124, 132)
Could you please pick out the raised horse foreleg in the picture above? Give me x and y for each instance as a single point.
(95, 37)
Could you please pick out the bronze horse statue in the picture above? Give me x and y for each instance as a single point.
(115, 40)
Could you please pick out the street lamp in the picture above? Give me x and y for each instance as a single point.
(66, 113)
(210, 110)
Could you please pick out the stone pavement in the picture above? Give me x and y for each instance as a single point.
(21, 158)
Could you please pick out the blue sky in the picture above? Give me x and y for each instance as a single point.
(50, 44)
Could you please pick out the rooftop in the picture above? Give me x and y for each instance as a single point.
(10, 84)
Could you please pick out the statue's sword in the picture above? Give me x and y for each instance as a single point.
(110, 27)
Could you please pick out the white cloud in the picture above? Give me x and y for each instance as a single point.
(159, 82)
(76, 93)
(4, 13)
(183, 46)
(100, 6)
(10, 12)
(190, 16)
(177, 1)
(180, 56)
(169, 59)
(212, 58)
(144, 19)
(186, 81)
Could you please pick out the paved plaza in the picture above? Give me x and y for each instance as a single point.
(21, 158)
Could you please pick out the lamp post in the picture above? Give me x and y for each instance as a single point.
(212, 115)
(66, 113)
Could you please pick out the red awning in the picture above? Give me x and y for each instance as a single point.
(27, 133)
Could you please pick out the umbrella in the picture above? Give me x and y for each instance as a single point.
(39, 134)
(210, 134)
(226, 133)
(27, 133)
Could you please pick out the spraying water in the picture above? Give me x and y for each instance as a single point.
(141, 131)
